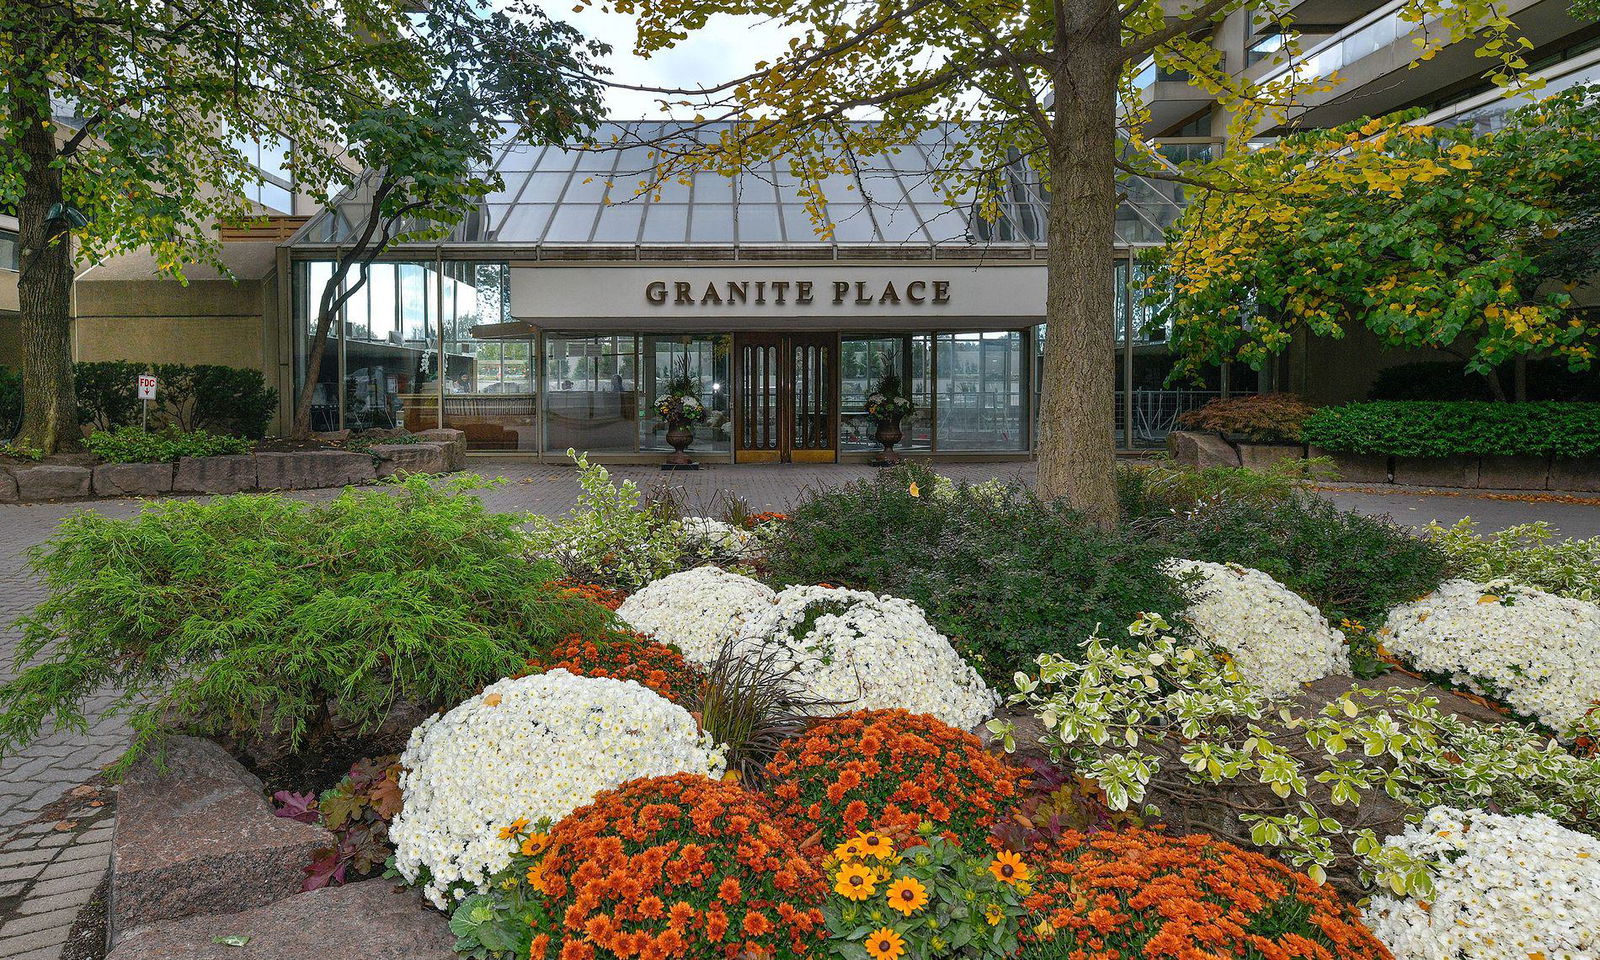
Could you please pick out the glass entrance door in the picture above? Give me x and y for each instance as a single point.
(786, 407)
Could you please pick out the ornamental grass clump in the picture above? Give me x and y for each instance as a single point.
(279, 624)
(681, 868)
(856, 650)
(1535, 652)
(1502, 887)
(1278, 639)
(1143, 895)
(923, 898)
(890, 771)
(626, 656)
(523, 750)
(698, 611)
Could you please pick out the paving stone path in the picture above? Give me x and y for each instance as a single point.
(55, 820)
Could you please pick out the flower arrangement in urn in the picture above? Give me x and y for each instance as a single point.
(887, 405)
(680, 408)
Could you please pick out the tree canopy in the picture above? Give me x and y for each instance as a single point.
(423, 157)
(1442, 237)
(134, 124)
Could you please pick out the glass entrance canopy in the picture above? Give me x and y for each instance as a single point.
(573, 195)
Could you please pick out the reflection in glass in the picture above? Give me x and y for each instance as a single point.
(389, 350)
(310, 277)
(705, 358)
(980, 391)
(591, 393)
(488, 367)
(862, 362)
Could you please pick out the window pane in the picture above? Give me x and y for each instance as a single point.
(591, 393)
(799, 225)
(573, 223)
(711, 223)
(310, 278)
(666, 223)
(619, 223)
(980, 391)
(488, 380)
(705, 358)
(758, 223)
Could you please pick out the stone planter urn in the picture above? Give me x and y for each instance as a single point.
(888, 435)
(679, 436)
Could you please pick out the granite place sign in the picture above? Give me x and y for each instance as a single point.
(735, 293)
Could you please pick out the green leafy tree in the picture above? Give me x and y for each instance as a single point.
(1038, 84)
(426, 155)
(129, 123)
(1442, 238)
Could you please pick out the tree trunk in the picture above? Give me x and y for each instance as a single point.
(370, 244)
(1077, 454)
(44, 291)
(1519, 379)
(318, 350)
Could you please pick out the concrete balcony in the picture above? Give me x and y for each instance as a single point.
(1309, 15)
(1380, 68)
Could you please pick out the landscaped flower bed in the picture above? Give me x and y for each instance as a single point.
(683, 762)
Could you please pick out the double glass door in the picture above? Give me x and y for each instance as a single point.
(786, 405)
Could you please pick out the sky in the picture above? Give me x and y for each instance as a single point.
(727, 47)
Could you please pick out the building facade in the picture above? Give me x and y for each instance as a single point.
(555, 315)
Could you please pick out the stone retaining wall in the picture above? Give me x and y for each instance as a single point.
(73, 478)
(1203, 450)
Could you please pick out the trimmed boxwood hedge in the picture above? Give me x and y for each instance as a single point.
(1424, 428)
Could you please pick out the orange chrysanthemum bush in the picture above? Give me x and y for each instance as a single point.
(678, 868)
(889, 770)
(607, 597)
(1144, 895)
(625, 656)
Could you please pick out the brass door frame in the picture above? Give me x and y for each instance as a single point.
(784, 410)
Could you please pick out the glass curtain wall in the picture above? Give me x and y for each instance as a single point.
(863, 361)
(1146, 413)
(705, 359)
(591, 391)
(980, 392)
(390, 349)
(488, 361)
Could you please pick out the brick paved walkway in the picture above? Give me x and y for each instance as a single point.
(54, 846)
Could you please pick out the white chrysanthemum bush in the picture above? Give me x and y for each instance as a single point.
(1498, 888)
(1176, 727)
(699, 611)
(1278, 639)
(1536, 652)
(860, 651)
(529, 748)
(717, 539)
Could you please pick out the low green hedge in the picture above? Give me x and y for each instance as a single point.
(132, 445)
(1424, 428)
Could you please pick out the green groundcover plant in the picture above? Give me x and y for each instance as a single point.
(1424, 428)
(1530, 554)
(1006, 575)
(133, 445)
(260, 618)
(1349, 565)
